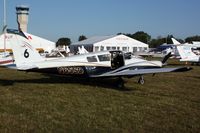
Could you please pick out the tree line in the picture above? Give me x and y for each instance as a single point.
(140, 36)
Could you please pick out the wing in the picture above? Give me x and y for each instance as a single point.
(135, 72)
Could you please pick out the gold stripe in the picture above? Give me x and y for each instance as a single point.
(10, 50)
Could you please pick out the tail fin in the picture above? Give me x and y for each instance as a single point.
(186, 53)
(175, 41)
(166, 58)
(24, 54)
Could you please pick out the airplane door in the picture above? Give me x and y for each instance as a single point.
(117, 59)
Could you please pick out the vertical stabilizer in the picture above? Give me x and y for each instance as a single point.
(24, 54)
(186, 53)
(175, 41)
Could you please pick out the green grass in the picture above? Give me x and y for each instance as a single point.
(33, 102)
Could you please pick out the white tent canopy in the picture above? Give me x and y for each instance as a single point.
(118, 42)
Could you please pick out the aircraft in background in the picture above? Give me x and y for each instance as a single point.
(187, 55)
(187, 51)
(6, 59)
(193, 45)
(105, 64)
(175, 42)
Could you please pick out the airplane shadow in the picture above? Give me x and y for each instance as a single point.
(104, 83)
(196, 77)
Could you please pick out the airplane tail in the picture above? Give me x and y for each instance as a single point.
(166, 58)
(186, 53)
(175, 41)
(24, 54)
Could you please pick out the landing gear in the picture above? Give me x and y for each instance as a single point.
(141, 80)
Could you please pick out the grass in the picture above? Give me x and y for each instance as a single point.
(33, 102)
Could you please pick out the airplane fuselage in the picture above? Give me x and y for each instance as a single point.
(92, 64)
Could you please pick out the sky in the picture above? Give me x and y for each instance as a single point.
(53, 19)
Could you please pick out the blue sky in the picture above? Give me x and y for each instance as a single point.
(53, 19)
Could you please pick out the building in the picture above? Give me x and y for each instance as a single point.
(22, 17)
(117, 42)
(39, 43)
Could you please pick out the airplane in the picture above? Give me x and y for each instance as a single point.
(175, 42)
(104, 64)
(193, 45)
(5, 59)
(187, 55)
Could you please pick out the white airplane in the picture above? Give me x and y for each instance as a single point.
(186, 54)
(6, 59)
(192, 45)
(105, 64)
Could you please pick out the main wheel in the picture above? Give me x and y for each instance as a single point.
(141, 80)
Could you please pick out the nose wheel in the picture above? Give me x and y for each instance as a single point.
(141, 80)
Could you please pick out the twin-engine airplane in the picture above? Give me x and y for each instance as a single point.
(106, 64)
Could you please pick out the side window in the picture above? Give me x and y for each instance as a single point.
(105, 57)
(92, 59)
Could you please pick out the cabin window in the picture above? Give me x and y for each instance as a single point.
(105, 57)
(92, 59)
(118, 48)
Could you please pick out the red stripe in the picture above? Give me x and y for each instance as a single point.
(7, 61)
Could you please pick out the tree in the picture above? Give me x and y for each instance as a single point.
(161, 40)
(82, 37)
(192, 38)
(157, 42)
(63, 42)
(141, 36)
(169, 39)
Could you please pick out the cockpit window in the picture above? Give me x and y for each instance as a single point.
(105, 57)
(92, 59)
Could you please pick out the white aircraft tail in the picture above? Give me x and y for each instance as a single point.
(186, 53)
(82, 50)
(24, 54)
(175, 41)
